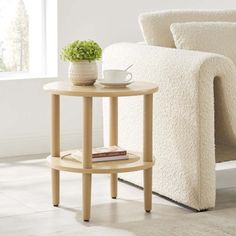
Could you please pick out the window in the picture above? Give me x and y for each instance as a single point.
(23, 38)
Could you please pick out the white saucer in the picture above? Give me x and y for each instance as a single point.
(114, 85)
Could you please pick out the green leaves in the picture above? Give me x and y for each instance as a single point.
(81, 50)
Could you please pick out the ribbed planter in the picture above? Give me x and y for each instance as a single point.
(83, 72)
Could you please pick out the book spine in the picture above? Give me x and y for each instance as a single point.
(114, 158)
(110, 154)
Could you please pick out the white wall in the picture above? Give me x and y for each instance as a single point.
(25, 116)
(24, 107)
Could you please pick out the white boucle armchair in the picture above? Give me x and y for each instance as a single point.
(194, 112)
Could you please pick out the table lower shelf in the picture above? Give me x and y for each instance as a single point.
(134, 163)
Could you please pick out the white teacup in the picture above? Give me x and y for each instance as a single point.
(117, 76)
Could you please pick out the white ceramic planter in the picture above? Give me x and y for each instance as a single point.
(83, 72)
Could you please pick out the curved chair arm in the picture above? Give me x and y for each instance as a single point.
(184, 123)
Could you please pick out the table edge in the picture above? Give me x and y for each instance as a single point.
(101, 94)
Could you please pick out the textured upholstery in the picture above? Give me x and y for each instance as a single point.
(194, 110)
(155, 26)
(184, 143)
(215, 37)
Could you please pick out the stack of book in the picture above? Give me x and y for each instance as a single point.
(110, 153)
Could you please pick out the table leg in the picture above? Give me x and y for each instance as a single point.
(55, 147)
(87, 155)
(55, 187)
(147, 150)
(113, 129)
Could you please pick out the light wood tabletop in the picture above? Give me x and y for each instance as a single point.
(98, 90)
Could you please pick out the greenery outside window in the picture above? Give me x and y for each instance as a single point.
(23, 38)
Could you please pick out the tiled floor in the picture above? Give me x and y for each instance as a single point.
(25, 207)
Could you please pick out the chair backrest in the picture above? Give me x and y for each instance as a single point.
(155, 26)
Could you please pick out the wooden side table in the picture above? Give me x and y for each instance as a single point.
(87, 168)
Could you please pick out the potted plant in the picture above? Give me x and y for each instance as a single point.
(82, 56)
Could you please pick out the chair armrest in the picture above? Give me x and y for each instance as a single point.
(179, 60)
(194, 88)
(183, 76)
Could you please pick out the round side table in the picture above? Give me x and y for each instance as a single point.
(86, 167)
